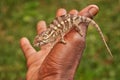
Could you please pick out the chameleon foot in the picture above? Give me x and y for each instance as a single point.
(62, 40)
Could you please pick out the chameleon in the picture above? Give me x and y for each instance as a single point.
(61, 25)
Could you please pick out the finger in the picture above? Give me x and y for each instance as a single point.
(61, 12)
(73, 11)
(89, 11)
(26, 47)
(41, 26)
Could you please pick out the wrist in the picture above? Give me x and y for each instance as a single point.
(56, 75)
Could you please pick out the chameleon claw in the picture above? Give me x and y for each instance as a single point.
(81, 34)
(63, 41)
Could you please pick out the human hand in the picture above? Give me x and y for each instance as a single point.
(60, 62)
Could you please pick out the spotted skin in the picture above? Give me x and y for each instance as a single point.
(62, 25)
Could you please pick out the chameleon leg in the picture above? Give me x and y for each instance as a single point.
(78, 29)
(62, 38)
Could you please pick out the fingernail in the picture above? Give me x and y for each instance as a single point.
(61, 11)
(41, 23)
(73, 11)
(93, 11)
(24, 40)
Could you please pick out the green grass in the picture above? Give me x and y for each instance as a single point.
(18, 18)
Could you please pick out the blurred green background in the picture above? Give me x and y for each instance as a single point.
(18, 18)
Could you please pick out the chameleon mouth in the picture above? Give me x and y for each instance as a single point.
(36, 45)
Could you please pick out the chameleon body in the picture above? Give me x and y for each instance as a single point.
(62, 25)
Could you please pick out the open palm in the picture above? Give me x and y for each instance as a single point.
(53, 63)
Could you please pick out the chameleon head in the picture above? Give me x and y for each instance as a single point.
(40, 40)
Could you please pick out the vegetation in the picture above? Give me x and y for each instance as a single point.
(18, 18)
